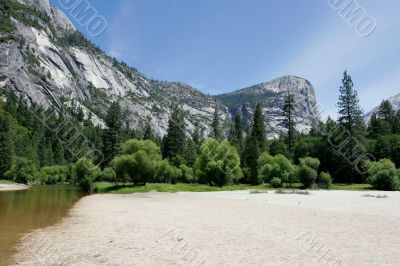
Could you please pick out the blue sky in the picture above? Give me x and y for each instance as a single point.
(222, 45)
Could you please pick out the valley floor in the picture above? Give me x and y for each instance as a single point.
(223, 228)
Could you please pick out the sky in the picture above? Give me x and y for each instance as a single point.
(219, 46)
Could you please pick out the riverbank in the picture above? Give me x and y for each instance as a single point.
(347, 227)
(11, 186)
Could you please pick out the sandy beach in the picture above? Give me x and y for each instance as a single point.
(222, 228)
(9, 187)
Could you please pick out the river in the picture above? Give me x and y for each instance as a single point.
(23, 211)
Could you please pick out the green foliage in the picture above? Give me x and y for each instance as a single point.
(276, 166)
(111, 134)
(187, 174)
(216, 132)
(138, 162)
(173, 143)
(53, 175)
(289, 122)
(22, 170)
(235, 134)
(308, 171)
(217, 164)
(276, 182)
(85, 173)
(255, 144)
(350, 112)
(133, 146)
(324, 180)
(383, 175)
(6, 148)
(278, 147)
(108, 174)
(167, 173)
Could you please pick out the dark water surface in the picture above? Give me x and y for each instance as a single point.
(24, 211)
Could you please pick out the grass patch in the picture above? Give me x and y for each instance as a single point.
(298, 192)
(7, 182)
(258, 191)
(105, 187)
(375, 196)
(351, 187)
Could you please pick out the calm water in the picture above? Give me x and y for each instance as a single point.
(24, 211)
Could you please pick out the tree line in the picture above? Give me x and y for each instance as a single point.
(341, 151)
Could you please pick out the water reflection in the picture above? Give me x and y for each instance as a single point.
(25, 211)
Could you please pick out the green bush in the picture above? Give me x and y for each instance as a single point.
(383, 175)
(167, 173)
(278, 166)
(85, 173)
(324, 180)
(217, 163)
(109, 175)
(276, 182)
(53, 175)
(138, 163)
(22, 170)
(307, 171)
(187, 174)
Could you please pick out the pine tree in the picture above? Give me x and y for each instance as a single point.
(174, 141)
(111, 134)
(255, 145)
(215, 126)
(235, 136)
(289, 122)
(148, 131)
(373, 128)
(258, 128)
(350, 112)
(351, 118)
(6, 150)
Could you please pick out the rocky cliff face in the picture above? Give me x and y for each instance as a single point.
(43, 58)
(272, 96)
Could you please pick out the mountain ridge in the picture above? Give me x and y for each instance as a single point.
(47, 61)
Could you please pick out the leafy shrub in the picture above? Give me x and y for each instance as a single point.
(53, 175)
(22, 170)
(383, 175)
(278, 166)
(276, 182)
(218, 163)
(85, 173)
(324, 180)
(109, 175)
(307, 171)
(167, 173)
(307, 175)
(138, 163)
(187, 174)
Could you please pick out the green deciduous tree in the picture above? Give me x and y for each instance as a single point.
(22, 170)
(308, 171)
(218, 163)
(85, 173)
(276, 167)
(383, 175)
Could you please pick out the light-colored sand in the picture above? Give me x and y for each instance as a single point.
(9, 187)
(223, 228)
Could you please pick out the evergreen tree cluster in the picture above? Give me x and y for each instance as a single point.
(38, 144)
